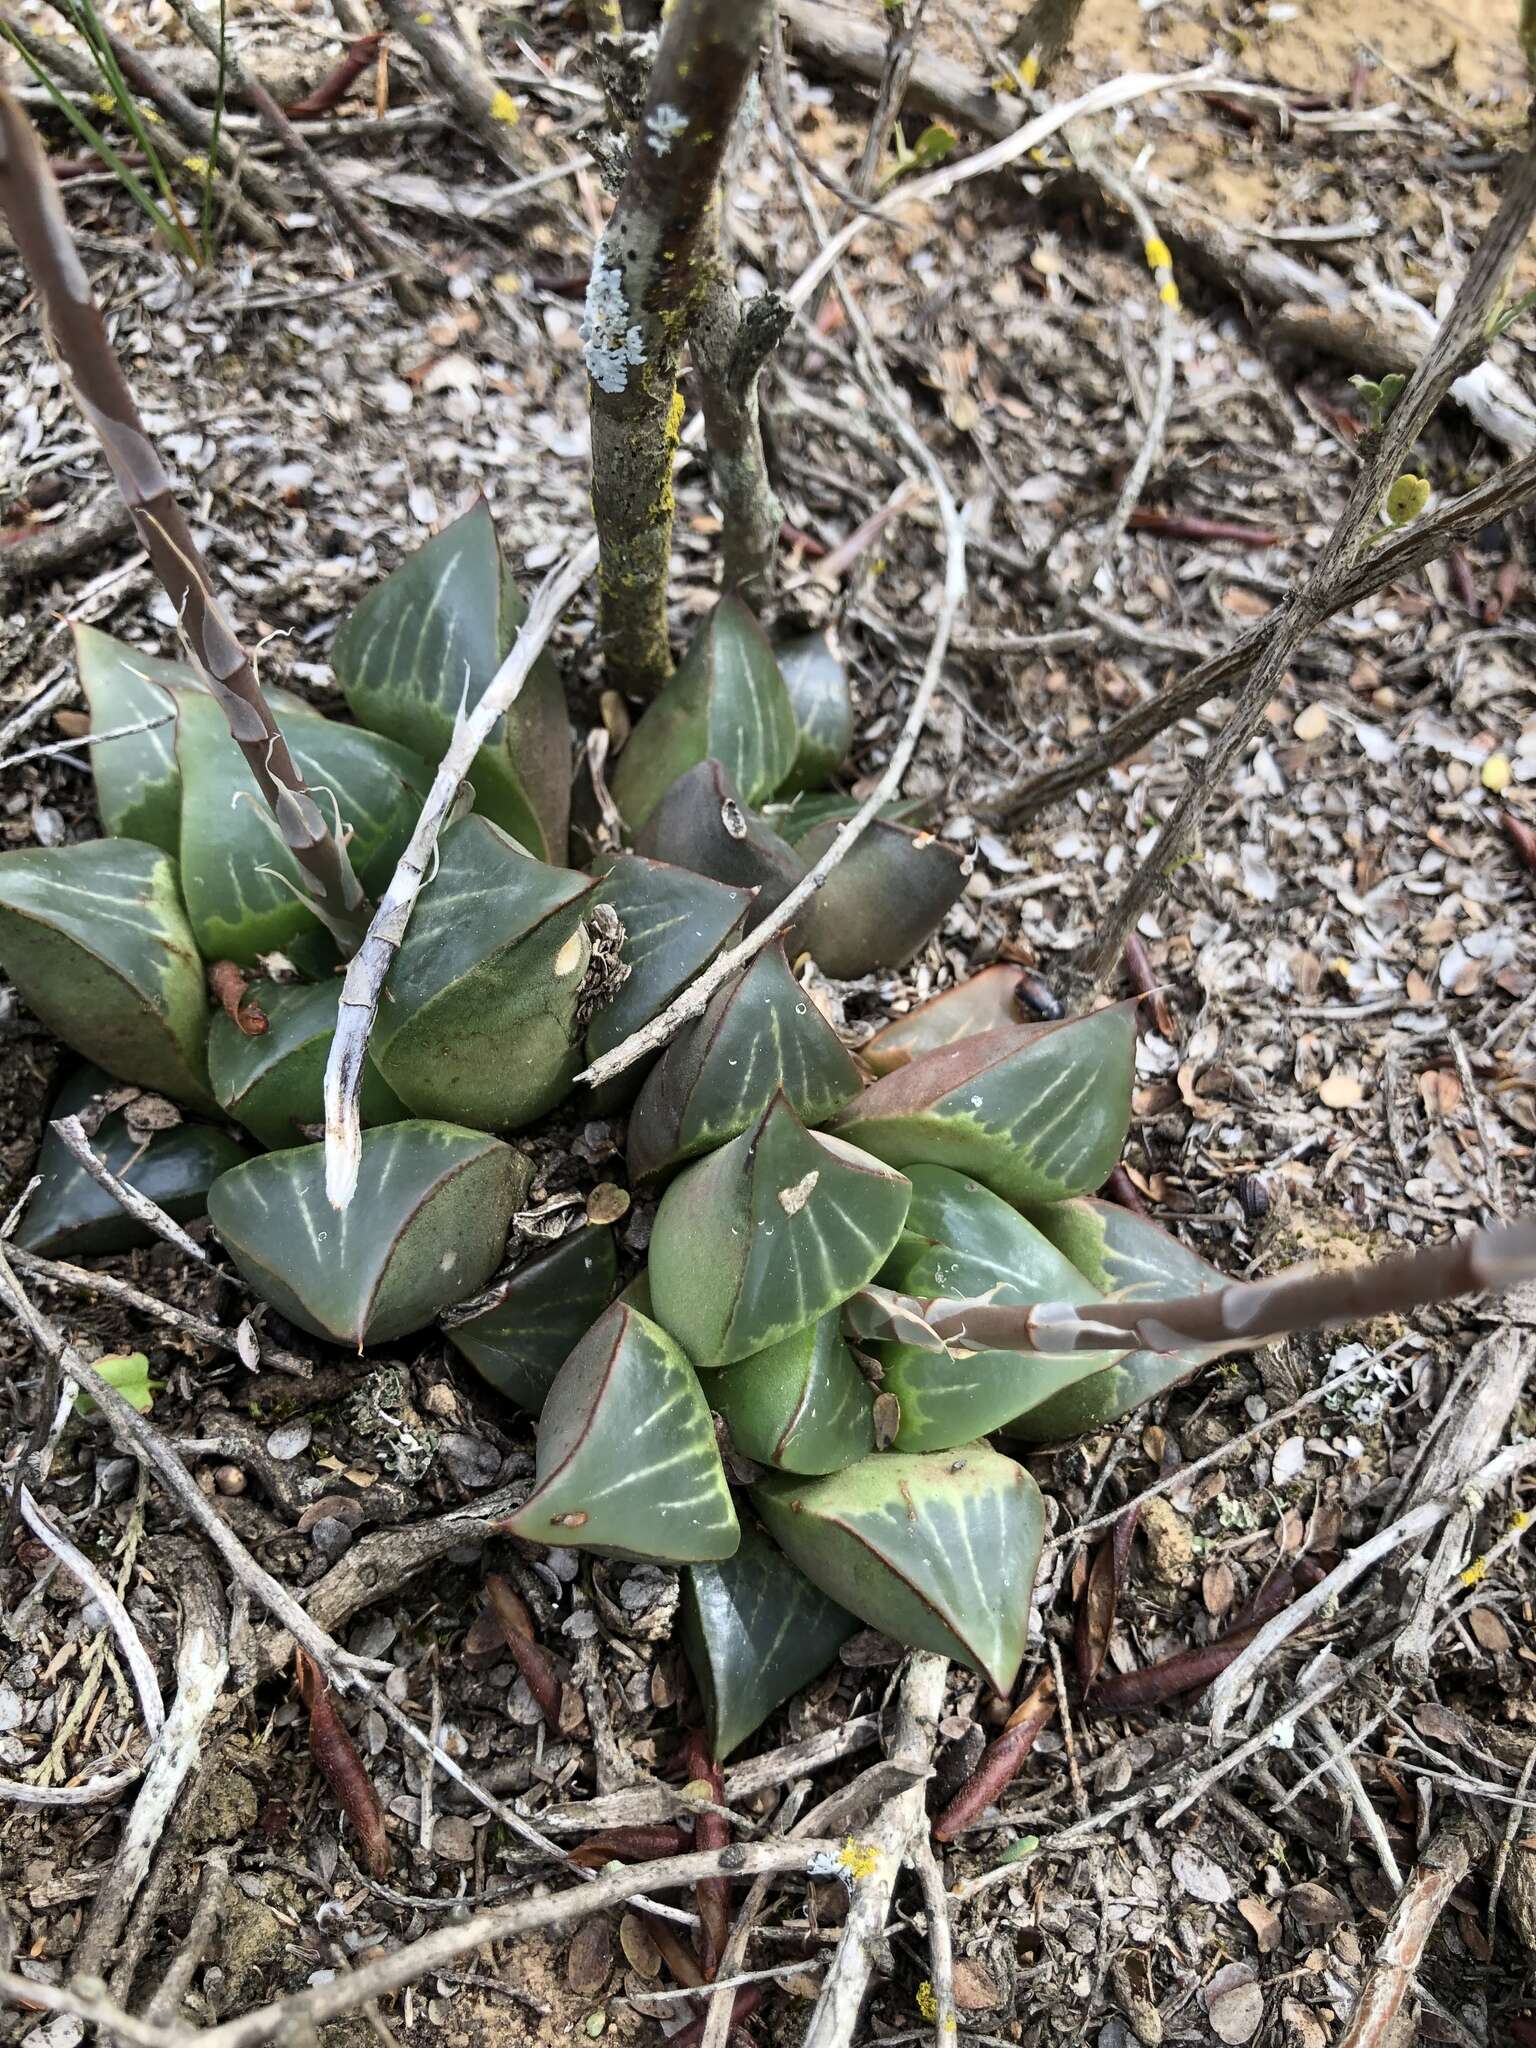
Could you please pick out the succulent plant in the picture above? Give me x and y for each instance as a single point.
(851, 1284)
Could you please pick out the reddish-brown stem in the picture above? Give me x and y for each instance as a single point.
(710, 1831)
(335, 86)
(30, 203)
(529, 1655)
(344, 1771)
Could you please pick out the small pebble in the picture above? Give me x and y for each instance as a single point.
(229, 1479)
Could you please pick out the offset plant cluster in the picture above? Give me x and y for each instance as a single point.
(800, 1188)
(869, 1279)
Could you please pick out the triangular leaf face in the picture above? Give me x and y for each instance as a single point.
(802, 814)
(71, 1217)
(1036, 1113)
(675, 922)
(427, 1226)
(432, 635)
(138, 783)
(761, 1036)
(97, 942)
(755, 1631)
(521, 1330)
(987, 1002)
(701, 823)
(245, 892)
(802, 1405)
(138, 789)
(726, 700)
(939, 1552)
(963, 1241)
(766, 1234)
(887, 896)
(1128, 1258)
(816, 677)
(274, 1083)
(481, 1018)
(627, 1459)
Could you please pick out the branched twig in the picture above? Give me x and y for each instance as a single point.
(56, 1273)
(407, 291)
(30, 202)
(70, 1133)
(366, 972)
(1406, 551)
(486, 109)
(202, 1664)
(695, 998)
(311, 2009)
(172, 1988)
(896, 1829)
(1409, 1528)
(1460, 336)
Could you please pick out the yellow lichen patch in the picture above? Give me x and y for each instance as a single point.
(859, 1859)
(504, 108)
(927, 2001)
(1497, 773)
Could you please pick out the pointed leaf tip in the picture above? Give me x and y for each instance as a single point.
(627, 1459)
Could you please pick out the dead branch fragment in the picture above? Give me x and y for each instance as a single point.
(1450, 1855)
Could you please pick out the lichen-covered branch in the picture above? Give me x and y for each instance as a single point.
(487, 109)
(31, 206)
(651, 273)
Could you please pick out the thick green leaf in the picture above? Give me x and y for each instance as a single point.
(726, 700)
(986, 1002)
(761, 1036)
(138, 790)
(886, 897)
(138, 785)
(1127, 1258)
(1036, 1112)
(481, 1013)
(244, 890)
(755, 1631)
(816, 678)
(701, 823)
(802, 1405)
(71, 1217)
(519, 1333)
(430, 637)
(940, 1552)
(675, 922)
(768, 1233)
(793, 820)
(427, 1226)
(97, 942)
(627, 1460)
(274, 1084)
(963, 1241)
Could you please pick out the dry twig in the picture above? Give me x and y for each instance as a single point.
(1441, 1868)
(1459, 338)
(369, 966)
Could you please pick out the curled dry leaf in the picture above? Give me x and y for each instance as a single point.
(1101, 1598)
(710, 1831)
(529, 1655)
(630, 1845)
(1000, 1763)
(343, 1769)
(227, 984)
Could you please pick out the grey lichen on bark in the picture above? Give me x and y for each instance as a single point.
(651, 275)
